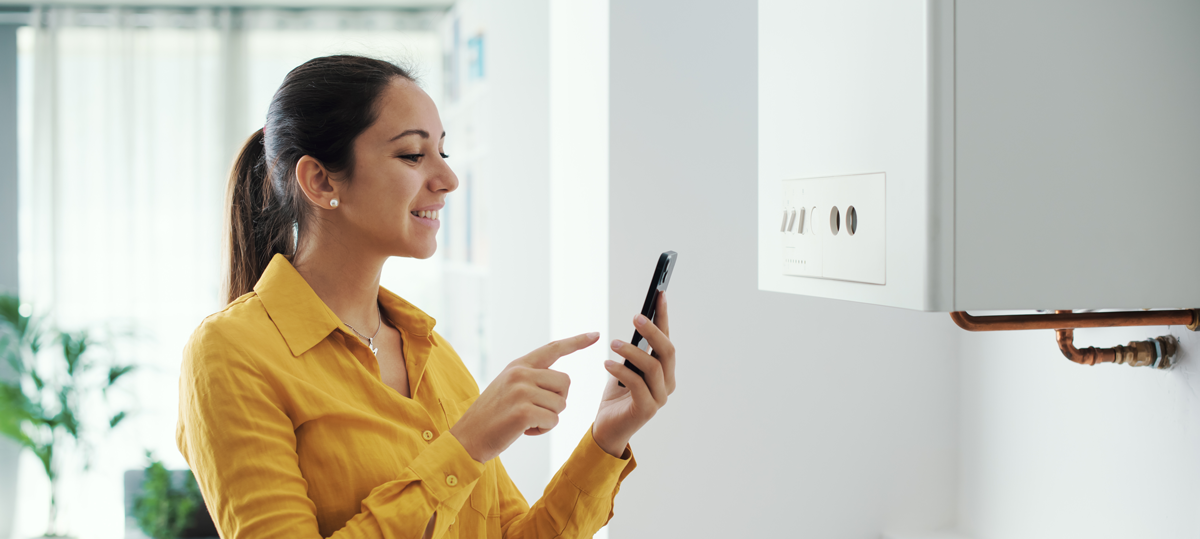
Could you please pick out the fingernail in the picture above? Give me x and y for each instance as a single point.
(616, 344)
(610, 363)
(639, 320)
(592, 335)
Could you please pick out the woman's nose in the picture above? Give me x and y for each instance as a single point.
(444, 179)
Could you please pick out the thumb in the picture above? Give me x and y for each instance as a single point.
(544, 357)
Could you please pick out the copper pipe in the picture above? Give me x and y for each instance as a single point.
(1067, 319)
(1158, 352)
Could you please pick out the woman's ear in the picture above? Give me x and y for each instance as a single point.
(316, 183)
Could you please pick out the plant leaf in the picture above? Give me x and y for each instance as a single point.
(12, 354)
(32, 334)
(116, 372)
(10, 310)
(116, 419)
(37, 379)
(14, 411)
(165, 508)
(73, 346)
(66, 413)
(45, 453)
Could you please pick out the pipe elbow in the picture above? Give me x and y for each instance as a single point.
(1066, 344)
(964, 320)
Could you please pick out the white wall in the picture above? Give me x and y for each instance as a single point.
(802, 417)
(519, 259)
(794, 416)
(578, 208)
(1052, 449)
(548, 90)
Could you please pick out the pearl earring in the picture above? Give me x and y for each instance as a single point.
(333, 203)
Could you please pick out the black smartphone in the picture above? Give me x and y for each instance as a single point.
(658, 284)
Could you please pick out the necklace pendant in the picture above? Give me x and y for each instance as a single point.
(371, 345)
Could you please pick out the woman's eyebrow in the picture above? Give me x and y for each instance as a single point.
(424, 134)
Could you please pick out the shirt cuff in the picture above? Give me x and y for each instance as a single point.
(446, 468)
(595, 472)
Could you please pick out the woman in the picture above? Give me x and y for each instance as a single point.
(318, 402)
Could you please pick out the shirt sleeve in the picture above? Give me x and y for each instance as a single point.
(577, 502)
(241, 445)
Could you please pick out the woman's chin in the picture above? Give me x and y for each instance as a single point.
(419, 248)
(425, 252)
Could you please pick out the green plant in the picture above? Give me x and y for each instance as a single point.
(42, 403)
(164, 510)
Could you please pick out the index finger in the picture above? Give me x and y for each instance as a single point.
(544, 357)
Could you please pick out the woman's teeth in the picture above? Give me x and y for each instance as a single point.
(427, 214)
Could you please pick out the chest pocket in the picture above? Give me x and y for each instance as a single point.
(485, 498)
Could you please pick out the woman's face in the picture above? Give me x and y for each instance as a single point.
(401, 178)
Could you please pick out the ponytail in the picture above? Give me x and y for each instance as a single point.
(250, 245)
(321, 107)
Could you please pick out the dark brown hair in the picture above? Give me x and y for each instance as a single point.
(321, 107)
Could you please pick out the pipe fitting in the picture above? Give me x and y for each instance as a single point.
(1158, 352)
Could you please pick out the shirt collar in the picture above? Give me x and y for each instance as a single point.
(304, 320)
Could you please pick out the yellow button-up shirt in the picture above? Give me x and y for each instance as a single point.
(291, 432)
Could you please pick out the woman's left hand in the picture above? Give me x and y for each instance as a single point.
(624, 410)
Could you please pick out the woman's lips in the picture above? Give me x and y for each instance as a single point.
(427, 218)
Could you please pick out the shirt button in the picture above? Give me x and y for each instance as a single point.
(427, 435)
(451, 480)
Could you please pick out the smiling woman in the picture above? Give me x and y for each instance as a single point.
(130, 118)
(391, 174)
(316, 143)
(318, 402)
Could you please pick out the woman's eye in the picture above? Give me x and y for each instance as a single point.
(445, 155)
(414, 157)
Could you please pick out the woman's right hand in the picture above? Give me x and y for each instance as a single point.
(525, 398)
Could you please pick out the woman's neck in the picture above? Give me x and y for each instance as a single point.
(344, 276)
